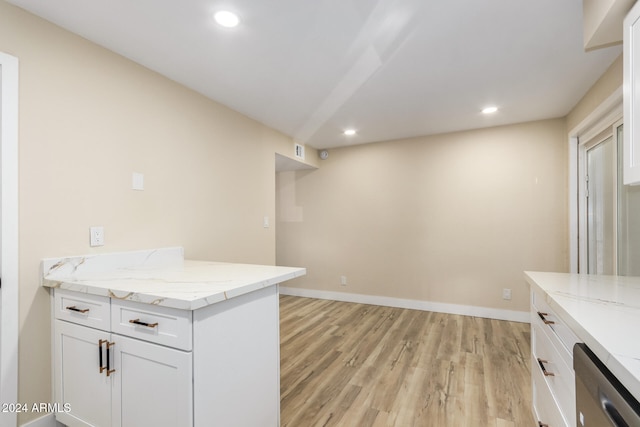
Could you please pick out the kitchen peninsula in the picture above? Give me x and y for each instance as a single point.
(148, 338)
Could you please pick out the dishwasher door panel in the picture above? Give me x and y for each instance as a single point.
(601, 400)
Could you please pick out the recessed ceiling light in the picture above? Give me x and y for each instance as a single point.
(350, 132)
(489, 110)
(226, 18)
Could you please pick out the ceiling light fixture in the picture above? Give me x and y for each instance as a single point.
(226, 18)
(350, 132)
(489, 110)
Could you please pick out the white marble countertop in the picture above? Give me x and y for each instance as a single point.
(604, 312)
(161, 277)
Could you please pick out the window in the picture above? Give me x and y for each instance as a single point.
(609, 211)
(600, 192)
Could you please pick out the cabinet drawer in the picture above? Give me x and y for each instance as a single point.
(545, 408)
(162, 325)
(558, 376)
(83, 309)
(544, 316)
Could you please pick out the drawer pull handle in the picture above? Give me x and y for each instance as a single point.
(109, 370)
(100, 342)
(546, 322)
(541, 424)
(148, 325)
(79, 310)
(544, 370)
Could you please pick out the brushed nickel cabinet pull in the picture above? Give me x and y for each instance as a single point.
(79, 310)
(148, 325)
(109, 370)
(546, 322)
(100, 342)
(544, 370)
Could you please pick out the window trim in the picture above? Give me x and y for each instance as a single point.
(606, 114)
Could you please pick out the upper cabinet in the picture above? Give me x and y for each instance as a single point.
(601, 20)
(631, 152)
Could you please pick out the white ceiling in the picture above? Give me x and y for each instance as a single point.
(389, 68)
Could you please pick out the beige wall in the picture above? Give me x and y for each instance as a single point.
(449, 218)
(88, 120)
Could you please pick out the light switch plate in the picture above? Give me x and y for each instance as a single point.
(137, 181)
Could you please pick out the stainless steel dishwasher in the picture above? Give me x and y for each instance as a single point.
(601, 400)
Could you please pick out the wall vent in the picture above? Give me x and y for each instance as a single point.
(300, 151)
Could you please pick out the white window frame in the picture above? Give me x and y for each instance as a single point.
(585, 144)
(608, 113)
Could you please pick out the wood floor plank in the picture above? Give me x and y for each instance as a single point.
(345, 364)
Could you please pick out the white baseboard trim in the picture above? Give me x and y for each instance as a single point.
(46, 421)
(440, 307)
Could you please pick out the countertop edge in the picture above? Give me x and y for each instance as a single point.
(159, 300)
(181, 284)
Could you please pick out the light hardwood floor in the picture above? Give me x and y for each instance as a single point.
(345, 364)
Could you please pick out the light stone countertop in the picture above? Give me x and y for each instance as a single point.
(161, 277)
(604, 312)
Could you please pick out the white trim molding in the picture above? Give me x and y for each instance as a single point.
(439, 307)
(9, 235)
(48, 420)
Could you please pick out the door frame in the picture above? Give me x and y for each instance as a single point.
(9, 233)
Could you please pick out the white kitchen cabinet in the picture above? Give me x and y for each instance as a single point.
(552, 376)
(631, 152)
(217, 365)
(105, 379)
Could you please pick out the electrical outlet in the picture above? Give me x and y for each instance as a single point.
(343, 280)
(506, 293)
(96, 236)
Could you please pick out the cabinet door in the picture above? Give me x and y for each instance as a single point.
(78, 382)
(152, 385)
(631, 155)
